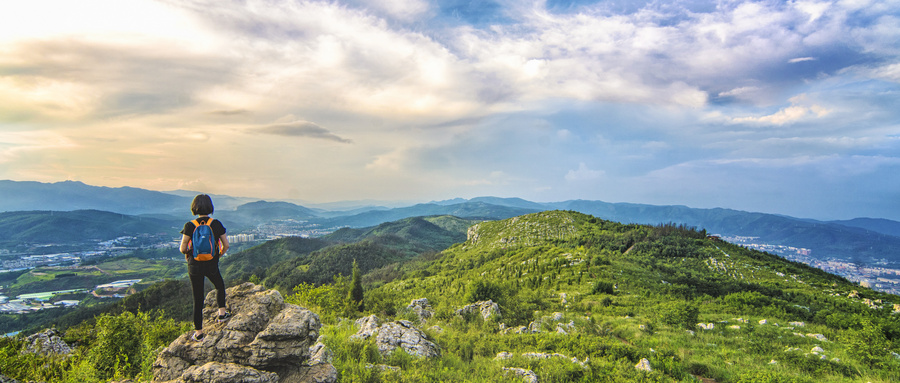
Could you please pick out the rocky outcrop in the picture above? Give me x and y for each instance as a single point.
(400, 334)
(421, 308)
(46, 343)
(486, 309)
(266, 340)
(6, 379)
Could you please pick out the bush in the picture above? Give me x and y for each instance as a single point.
(679, 313)
(126, 345)
(482, 290)
(601, 287)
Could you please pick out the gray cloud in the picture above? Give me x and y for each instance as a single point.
(301, 129)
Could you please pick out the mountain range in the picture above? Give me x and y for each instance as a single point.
(861, 240)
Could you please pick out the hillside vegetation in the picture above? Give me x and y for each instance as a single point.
(580, 299)
(613, 294)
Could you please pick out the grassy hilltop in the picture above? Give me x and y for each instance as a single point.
(602, 296)
(622, 293)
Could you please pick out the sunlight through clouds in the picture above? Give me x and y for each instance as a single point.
(432, 100)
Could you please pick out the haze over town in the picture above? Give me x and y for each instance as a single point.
(783, 107)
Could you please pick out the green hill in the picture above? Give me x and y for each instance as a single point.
(615, 294)
(287, 262)
(76, 226)
(258, 259)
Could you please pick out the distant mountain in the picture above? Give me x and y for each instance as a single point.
(825, 239)
(425, 233)
(862, 239)
(883, 226)
(220, 201)
(264, 210)
(47, 227)
(462, 210)
(72, 195)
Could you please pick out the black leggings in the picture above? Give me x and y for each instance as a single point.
(197, 271)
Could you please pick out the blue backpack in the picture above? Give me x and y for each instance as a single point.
(205, 243)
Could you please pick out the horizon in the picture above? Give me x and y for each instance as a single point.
(346, 205)
(774, 107)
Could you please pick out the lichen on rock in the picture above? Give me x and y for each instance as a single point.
(266, 340)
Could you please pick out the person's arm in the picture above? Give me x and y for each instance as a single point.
(223, 240)
(184, 245)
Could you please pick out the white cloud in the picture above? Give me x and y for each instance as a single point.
(801, 59)
(798, 111)
(583, 173)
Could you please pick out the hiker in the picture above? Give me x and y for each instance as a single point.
(203, 241)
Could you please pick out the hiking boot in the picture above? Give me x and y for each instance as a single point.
(198, 336)
(224, 317)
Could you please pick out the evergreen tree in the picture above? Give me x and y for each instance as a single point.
(356, 289)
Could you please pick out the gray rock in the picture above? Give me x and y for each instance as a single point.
(319, 354)
(265, 339)
(503, 355)
(421, 308)
(404, 335)
(643, 365)
(486, 309)
(46, 343)
(214, 372)
(401, 334)
(368, 326)
(319, 373)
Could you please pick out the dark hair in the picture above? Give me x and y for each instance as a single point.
(202, 205)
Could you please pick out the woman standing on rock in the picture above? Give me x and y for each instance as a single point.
(203, 241)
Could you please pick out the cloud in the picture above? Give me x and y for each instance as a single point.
(301, 129)
(801, 59)
(794, 113)
(583, 173)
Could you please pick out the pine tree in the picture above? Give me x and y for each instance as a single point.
(356, 289)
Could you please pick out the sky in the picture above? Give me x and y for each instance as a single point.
(787, 107)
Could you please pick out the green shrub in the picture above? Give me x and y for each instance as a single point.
(679, 313)
(481, 290)
(601, 287)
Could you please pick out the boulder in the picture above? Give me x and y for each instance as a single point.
(46, 343)
(404, 335)
(266, 340)
(368, 326)
(421, 308)
(227, 372)
(390, 336)
(319, 354)
(486, 309)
